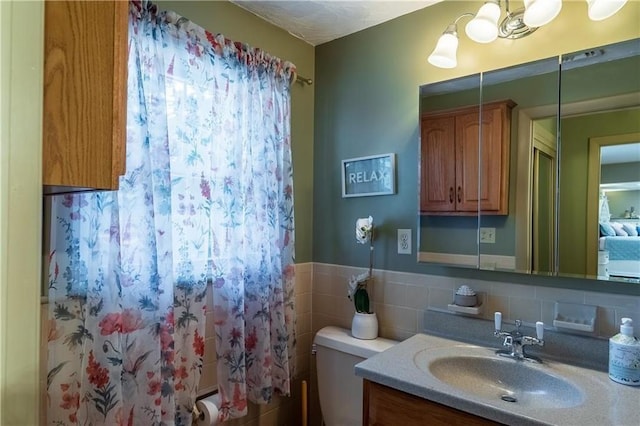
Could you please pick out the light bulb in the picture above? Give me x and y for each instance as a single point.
(540, 12)
(444, 55)
(483, 28)
(603, 9)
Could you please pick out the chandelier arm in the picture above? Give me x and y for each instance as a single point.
(462, 16)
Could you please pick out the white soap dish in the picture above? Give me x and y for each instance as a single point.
(574, 316)
(470, 310)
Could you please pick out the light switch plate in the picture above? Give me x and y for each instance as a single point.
(488, 235)
(404, 241)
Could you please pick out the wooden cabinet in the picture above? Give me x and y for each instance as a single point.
(384, 406)
(85, 93)
(458, 173)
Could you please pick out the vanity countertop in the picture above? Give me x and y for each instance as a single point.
(605, 402)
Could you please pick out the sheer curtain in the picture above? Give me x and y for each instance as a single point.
(207, 199)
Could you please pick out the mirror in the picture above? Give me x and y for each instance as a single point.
(551, 223)
(600, 107)
(448, 221)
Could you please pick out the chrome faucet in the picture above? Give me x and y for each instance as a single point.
(515, 341)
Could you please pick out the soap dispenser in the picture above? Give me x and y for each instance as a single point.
(624, 355)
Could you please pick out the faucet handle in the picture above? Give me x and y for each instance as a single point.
(540, 330)
(497, 318)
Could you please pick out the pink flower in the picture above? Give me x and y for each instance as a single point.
(126, 322)
(154, 387)
(131, 321)
(110, 324)
(98, 376)
(198, 344)
(251, 340)
(181, 373)
(68, 200)
(236, 333)
(239, 402)
(70, 400)
(205, 189)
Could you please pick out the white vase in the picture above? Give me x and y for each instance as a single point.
(364, 326)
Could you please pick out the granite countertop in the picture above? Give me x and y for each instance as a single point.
(605, 402)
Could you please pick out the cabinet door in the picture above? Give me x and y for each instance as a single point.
(85, 83)
(384, 406)
(438, 173)
(467, 167)
(494, 162)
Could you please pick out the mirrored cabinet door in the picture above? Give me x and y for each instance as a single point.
(600, 163)
(449, 173)
(520, 237)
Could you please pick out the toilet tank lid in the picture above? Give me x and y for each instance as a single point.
(341, 340)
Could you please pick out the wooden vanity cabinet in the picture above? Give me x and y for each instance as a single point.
(453, 160)
(384, 406)
(85, 94)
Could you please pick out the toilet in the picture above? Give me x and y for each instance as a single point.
(340, 390)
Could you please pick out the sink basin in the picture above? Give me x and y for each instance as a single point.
(482, 373)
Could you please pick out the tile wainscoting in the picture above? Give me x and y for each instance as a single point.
(400, 299)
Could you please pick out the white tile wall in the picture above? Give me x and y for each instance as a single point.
(400, 298)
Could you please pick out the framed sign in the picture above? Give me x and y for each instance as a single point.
(366, 176)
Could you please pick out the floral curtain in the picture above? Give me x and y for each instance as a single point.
(206, 200)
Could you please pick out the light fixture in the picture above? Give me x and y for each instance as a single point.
(444, 55)
(483, 28)
(540, 12)
(485, 25)
(602, 9)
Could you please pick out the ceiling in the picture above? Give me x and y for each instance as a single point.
(320, 21)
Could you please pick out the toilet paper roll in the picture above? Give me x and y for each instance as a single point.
(208, 408)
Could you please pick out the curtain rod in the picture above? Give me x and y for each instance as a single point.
(304, 80)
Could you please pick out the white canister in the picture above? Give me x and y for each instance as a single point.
(624, 355)
(364, 326)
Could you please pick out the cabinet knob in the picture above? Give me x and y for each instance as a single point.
(459, 194)
(451, 194)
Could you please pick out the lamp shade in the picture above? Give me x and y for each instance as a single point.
(602, 9)
(444, 55)
(483, 28)
(540, 12)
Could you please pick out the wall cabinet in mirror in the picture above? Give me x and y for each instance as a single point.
(85, 91)
(454, 158)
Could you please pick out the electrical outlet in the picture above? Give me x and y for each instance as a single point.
(488, 235)
(404, 241)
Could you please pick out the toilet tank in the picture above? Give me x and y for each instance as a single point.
(339, 389)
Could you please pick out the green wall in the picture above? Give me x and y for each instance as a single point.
(239, 25)
(620, 172)
(367, 103)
